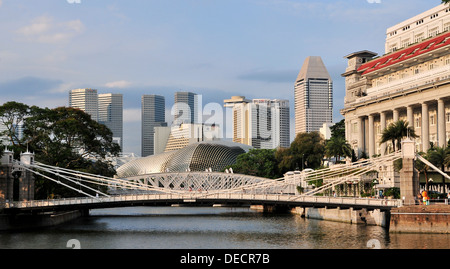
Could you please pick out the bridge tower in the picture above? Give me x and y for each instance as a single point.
(16, 184)
(409, 177)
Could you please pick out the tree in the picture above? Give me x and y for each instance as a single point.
(338, 129)
(436, 156)
(396, 131)
(257, 162)
(64, 137)
(307, 150)
(338, 147)
(12, 115)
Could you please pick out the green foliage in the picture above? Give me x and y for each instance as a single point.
(394, 192)
(63, 137)
(273, 163)
(338, 129)
(396, 131)
(308, 148)
(257, 162)
(338, 147)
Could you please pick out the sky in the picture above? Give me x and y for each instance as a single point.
(216, 48)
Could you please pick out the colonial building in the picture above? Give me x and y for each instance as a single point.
(410, 82)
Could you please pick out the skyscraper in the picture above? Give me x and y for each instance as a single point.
(153, 115)
(313, 95)
(183, 100)
(110, 113)
(86, 100)
(260, 123)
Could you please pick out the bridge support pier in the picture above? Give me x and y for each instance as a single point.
(276, 208)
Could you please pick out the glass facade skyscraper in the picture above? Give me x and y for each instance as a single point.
(313, 95)
(104, 108)
(153, 115)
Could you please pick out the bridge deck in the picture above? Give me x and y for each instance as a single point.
(202, 198)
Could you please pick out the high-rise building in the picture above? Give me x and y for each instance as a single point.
(241, 123)
(110, 113)
(282, 124)
(86, 100)
(260, 123)
(105, 108)
(153, 115)
(313, 96)
(186, 108)
(411, 82)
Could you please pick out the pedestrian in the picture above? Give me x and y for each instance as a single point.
(419, 198)
(425, 197)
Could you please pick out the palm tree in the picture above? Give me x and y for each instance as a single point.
(437, 156)
(338, 147)
(396, 132)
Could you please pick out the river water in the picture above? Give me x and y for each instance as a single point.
(212, 228)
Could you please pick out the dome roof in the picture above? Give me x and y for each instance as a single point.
(216, 155)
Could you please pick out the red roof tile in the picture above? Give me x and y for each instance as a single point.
(407, 53)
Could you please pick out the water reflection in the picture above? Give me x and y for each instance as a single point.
(212, 228)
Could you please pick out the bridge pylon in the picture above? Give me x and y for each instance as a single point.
(409, 177)
(16, 184)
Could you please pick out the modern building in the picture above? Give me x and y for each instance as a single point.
(313, 96)
(410, 82)
(105, 108)
(212, 156)
(110, 113)
(179, 136)
(186, 108)
(86, 100)
(260, 123)
(153, 115)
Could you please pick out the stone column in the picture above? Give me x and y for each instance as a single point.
(371, 137)
(360, 135)
(395, 114)
(425, 128)
(382, 127)
(410, 116)
(441, 124)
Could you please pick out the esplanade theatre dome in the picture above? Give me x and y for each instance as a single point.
(200, 156)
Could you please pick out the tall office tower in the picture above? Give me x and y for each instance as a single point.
(153, 115)
(313, 95)
(260, 123)
(282, 124)
(184, 100)
(110, 113)
(239, 107)
(86, 100)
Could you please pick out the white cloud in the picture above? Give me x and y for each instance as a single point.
(1, 2)
(118, 84)
(44, 29)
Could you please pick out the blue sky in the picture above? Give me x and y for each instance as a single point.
(217, 48)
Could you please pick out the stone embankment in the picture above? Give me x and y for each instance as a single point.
(420, 219)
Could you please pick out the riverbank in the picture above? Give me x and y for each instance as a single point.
(406, 219)
(351, 216)
(420, 219)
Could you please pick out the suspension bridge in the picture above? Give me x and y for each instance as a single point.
(201, 188)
